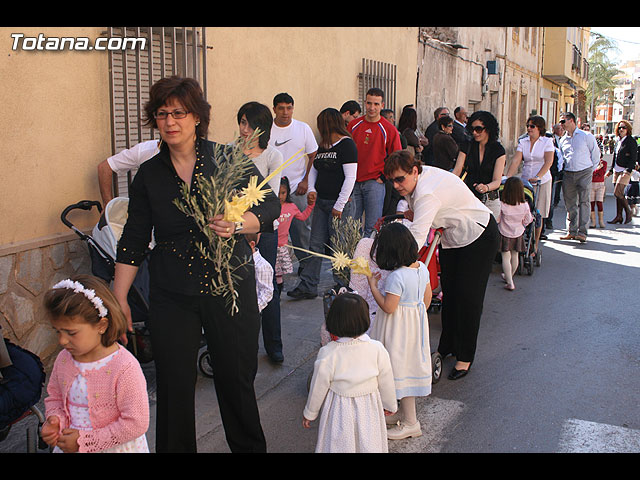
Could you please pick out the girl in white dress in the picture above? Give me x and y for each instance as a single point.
(352, 387)
(402, 325)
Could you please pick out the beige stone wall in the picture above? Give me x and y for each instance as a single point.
(24, 278)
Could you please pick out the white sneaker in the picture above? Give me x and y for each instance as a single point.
(402, 430)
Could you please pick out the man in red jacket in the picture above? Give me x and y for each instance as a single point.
(376, 138)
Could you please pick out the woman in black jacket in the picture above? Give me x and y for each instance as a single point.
(181, 304)
(625, 157)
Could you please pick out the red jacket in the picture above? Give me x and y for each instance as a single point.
(375, 142)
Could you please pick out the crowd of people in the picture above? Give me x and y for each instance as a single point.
(448, 178)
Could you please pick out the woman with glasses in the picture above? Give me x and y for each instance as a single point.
(469, 243)
(535, 153)
(481, 166)
(181, 304)
(445, 148)
(625, 157)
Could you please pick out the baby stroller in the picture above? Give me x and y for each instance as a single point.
(102, 245)
(528, 259)
(22, 378)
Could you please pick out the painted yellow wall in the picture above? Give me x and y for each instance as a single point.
(317, 66)
(55, 129)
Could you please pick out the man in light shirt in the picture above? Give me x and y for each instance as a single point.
(580, 155)
(123, 162)
(290, 136)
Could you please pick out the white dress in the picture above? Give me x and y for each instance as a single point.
(405, 332)
(78, 404)
(354, 422)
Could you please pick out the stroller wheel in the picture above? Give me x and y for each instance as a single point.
(204, 364)
(538, 258)
(529, 266)
(436, 367)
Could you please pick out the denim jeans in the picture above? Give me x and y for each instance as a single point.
(271, 330)
(321, 231)
(368, 197)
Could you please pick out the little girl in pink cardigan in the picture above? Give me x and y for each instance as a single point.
(98, 398)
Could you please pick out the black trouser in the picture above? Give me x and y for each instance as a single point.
(176, 323)
(464, 276)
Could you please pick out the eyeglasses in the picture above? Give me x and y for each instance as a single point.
(479, 129)
(449, 126)
(175, 114)
(530, 126)
(562, 121)
(399, 180)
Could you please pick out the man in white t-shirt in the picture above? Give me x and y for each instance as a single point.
(123, 162)
(289, 135)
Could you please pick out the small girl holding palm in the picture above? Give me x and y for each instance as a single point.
(401, 323)
(352, 387)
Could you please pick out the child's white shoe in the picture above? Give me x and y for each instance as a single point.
(402, 430)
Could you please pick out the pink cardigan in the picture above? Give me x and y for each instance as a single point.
(118, 400)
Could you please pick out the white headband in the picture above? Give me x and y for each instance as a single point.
(77, 287)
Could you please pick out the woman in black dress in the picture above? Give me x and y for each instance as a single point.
(482, 165)
(181, 303)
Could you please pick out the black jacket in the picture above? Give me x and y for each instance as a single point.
(175, 263)
(627, 155)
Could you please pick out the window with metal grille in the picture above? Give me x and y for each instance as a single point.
(379, 75)
(167, 51)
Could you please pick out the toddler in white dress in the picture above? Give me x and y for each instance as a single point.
(352, 387)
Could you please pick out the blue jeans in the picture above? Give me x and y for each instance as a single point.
(368, 197)
(271, 331)
(321, 231)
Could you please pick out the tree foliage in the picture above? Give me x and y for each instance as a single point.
(601, 71)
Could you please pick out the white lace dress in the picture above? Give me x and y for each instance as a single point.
(78, 405)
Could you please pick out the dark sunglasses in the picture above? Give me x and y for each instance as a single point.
(399, 179)
(479, 129)
(622, 127)
(530, 126)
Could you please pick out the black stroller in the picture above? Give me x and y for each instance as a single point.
(102, 245)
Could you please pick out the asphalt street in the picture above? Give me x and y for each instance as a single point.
(556, 369)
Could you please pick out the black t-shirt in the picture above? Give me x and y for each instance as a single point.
(329, 162)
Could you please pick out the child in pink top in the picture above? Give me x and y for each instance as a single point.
(515, 215)
(98, 398)
(288, 211)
